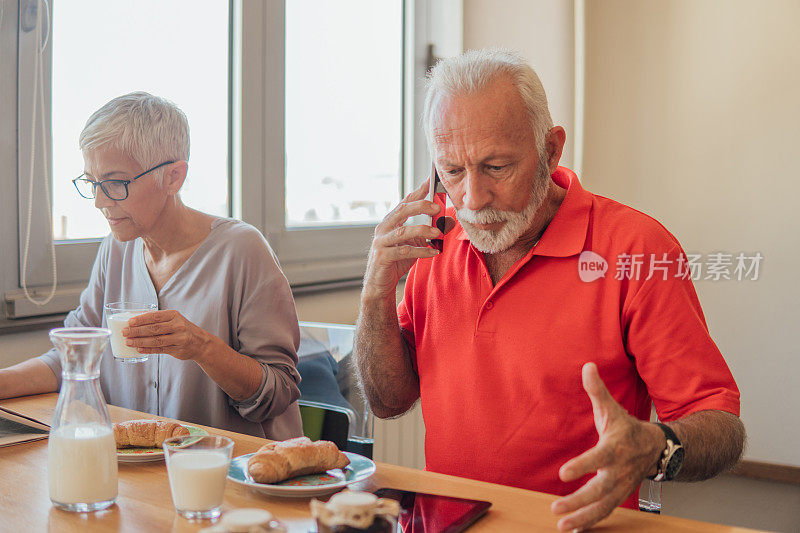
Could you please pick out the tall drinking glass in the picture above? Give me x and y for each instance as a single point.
(81, 452)
(197, 468)
(117, 316)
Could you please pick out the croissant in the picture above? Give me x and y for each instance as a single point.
(146, 433)
(278, 461)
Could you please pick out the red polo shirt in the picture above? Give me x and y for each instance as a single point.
(500, 365)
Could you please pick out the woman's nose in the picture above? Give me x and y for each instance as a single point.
(100, 198)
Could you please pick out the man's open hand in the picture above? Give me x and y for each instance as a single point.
(625, 454)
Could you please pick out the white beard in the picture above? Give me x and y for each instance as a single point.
(516, 224)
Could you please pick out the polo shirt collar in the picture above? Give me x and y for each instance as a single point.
(566, 233)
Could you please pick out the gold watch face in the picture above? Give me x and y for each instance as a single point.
(673, 461)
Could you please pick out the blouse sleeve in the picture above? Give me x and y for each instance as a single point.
(266, 330)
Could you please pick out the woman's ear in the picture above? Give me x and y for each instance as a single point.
(174, 176)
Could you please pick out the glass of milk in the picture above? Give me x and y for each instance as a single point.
(81, 452)
(197, 468)
(117, 316)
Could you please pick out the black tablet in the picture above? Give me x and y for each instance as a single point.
(432, 513)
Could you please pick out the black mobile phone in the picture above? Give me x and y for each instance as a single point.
(433, 513)
(437, 195)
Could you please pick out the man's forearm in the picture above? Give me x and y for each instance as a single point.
(713, 440)
(382, 359)
(29, 377)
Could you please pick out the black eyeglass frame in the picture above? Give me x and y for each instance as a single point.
(102, 183)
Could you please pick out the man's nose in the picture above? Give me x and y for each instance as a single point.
(477, 194)
(100, 198)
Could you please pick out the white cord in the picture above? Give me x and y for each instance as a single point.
(38, 91)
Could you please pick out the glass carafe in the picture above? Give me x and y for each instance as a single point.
(82, 454)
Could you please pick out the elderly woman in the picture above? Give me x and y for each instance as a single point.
(226, 320)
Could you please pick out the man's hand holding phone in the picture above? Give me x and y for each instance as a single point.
(395, 246)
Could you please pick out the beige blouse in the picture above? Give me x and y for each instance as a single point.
(232, 287)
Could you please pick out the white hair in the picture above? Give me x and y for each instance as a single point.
(474, 70)
(147, 128)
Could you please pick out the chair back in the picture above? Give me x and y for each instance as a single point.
(331, 404)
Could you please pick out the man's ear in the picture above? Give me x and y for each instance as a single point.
(174, 176)
(554, 146)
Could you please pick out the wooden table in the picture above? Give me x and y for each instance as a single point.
(144, 503)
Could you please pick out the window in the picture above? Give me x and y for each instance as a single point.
(344, 111)
(303, 119)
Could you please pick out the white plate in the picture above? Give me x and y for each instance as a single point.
(359, 469)
(146, 455)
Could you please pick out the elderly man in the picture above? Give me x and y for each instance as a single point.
(226, 322)
(531, 372)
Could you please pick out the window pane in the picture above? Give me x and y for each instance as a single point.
(177, 49)
(343, 110)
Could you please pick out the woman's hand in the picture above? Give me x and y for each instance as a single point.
(171, 333)
(168, 332)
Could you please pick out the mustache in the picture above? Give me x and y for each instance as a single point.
(485, 215)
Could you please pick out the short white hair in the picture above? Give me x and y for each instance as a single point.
(474, 70)
(147, 128)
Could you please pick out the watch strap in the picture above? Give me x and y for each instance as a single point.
(669, 433)
(671, 458)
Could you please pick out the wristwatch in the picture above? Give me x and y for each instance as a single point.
(671, 458)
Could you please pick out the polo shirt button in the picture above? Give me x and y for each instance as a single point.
(489, 304)
(155, 384)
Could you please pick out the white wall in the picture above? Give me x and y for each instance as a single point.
(542, 31)
(338, 307)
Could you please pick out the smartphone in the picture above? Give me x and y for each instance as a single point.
(437, 195)
(433, 513)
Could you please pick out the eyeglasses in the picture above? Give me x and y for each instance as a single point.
(115, 189)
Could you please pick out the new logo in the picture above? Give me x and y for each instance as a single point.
(591, 266)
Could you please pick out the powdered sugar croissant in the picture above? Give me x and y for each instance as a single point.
(278, 461)
(146, 433)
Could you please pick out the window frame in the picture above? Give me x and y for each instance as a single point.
(9, 259)
(74, 258)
